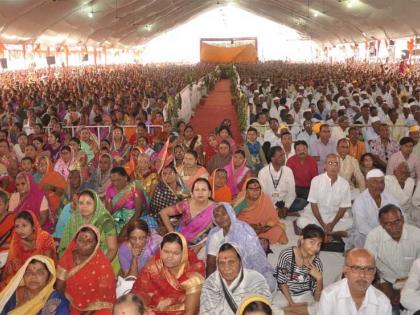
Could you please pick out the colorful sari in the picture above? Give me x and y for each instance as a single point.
(102, 181)
(261, 212)
(165, 292)
(222, 194)
(64, 168)
(50, 168)
(201, 172)
(147, 180)
(90, 286)
(124, 206)
(236, 177)
(48, 301)
(44, 243)
(164, 196)
(164, 157)
(6, 228)
(195, 229)
(101, 219)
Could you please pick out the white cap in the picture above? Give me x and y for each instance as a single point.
(406, 106)
(256, 91)
(356, 94)
(375, 119)
(366, 101)
(412, 104)
(299, 96)
(301, 87)
(307, 111)
(374, 173)
(276, 98)
(261, 95)
(341, 108)
(363, 93)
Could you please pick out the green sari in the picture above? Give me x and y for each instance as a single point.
(101, 218)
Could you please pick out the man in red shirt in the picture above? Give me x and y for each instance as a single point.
(304, 168)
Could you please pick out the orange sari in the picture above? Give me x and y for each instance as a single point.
(261, 212)
(222, 194)
(165, 292)
(44, 245)
(90, 286)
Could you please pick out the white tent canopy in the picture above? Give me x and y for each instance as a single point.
(132, 22)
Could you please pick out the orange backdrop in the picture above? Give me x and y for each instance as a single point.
(239, 54)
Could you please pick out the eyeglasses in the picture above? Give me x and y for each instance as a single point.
(359, 269)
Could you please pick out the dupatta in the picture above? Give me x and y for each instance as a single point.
(33, 199)
(164, 291)
(37, 303)
(7, 225)
(91, 285)
(262, 212)
(235, 177)
(18, 254)
(222, 194)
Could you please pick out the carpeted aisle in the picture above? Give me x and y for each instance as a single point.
(217, 106)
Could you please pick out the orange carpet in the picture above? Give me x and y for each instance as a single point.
(217, 106)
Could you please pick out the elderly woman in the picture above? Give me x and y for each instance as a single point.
(101, 177)
(28, 239)
(91, 210)
(229, 229)
(31, 290)
(256, 208)
(145, 175)
(65, 161)
(139, 246)
(225, 288)
(196, 214)
(119, 145)
(170, 283)
(221, 158)
(190, 170)
(85, 275)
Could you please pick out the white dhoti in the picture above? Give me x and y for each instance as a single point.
(307, 217)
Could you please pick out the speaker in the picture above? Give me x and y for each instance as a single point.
(3, 62)
(51, 60)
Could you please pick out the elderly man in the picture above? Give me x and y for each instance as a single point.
(349, 168)
(383, 147)
(395, 246)
(329, 199)
(272, 135)
(405, 154)
(401, 186)
(323, 146)
(277, 181)
(224, 289)
(366, 206)
(355, 294)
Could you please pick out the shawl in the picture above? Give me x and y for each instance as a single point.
(101, 218)
(219, 298)
(163, 291)
(235, 177)
(18, 254)
(262, 212)
(253, 255)
(36, 304)
(91, 285)
(194, 229)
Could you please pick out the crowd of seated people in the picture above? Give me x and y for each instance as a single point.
(165, 221)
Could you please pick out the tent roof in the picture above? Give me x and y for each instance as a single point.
(134, 22)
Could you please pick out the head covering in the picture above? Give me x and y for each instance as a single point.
(33, 199)
(36, 304)
(374, 173)
(414, 128)
(251, 299)
(3, 170)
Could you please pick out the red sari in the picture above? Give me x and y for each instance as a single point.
(164, 292)
(90, 286)
(44, 245)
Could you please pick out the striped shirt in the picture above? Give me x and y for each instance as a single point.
(298, 279)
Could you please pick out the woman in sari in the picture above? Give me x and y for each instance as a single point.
(126, 200)
(224, 134)
(220, 191)
(170, 283)
(143, 145)
(196, 215)
(7, 223)
(179, 154)
(256, 208)
(64, 162)
(91, 210)
(29, 196)
(166, 154)
(211, 148)
(220, 159)
(168, 191)
(28, 239)
(85, 275)
(119, 145)
(31, 290)
(147, 177)
(139, 246)
(88, 143)
(44, 166)
(190, 170)
(131, 165)
(237, 172)
(229, 229)
(101, 178)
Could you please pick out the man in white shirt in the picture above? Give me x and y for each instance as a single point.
(277, 181)
(329, 199)
(411, 291)
(272, 135)
(366, 206)
(340, 131)
(396, 246)
(355, 295)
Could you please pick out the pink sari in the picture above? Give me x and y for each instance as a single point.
(235, 177)
(194, 229)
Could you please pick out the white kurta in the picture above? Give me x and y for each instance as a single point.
(403, 195)
(411, 292)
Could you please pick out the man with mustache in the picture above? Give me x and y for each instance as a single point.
(355, 294)
(395, 245)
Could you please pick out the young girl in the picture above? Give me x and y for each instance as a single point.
(299, 272)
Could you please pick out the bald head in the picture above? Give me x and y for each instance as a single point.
(359, 253)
